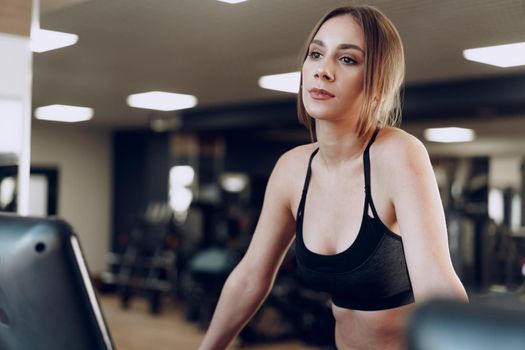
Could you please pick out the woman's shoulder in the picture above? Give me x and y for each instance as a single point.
(289, 171)
(292, 164)
(399, 155)
(395, 144)
(297, 157)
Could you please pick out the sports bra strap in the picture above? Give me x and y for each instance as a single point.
(366, 160)
(306, 183)
(309, 171)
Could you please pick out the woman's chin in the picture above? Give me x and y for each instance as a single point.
(325, 116)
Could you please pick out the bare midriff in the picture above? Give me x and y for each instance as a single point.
(371, 330)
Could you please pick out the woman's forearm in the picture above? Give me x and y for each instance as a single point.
(240, 298)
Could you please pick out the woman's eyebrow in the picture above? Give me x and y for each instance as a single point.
(340, 46)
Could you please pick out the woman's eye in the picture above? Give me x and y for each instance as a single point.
(348, 60)
(314, 55)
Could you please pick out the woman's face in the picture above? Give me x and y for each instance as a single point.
(333, 71)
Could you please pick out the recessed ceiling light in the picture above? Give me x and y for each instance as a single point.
(161, 101)
(232, 1)
(288, 82)
(45, 40)
(449, 135)
(510, 55)
(64, 113)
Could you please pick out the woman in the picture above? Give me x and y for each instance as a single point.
(374, 261)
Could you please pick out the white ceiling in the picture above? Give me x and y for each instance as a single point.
(217, 51)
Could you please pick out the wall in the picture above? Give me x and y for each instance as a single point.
(83, 158)
(15, 105)
(505, 171)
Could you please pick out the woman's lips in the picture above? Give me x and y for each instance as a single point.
(320, 94)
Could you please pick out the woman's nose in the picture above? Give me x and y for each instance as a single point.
(324, 73)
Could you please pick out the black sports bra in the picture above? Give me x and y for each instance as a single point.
(371, 274)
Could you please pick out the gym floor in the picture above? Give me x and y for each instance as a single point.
(137, 329)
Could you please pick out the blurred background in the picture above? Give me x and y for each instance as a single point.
(165, 197)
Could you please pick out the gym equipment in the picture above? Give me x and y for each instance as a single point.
(447, 324)
(47, 300)
(147, 265)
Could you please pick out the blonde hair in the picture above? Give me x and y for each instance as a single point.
(384, 69)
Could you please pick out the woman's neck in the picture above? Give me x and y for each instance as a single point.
(339, 144)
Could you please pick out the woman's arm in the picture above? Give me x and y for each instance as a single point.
(251, 281)
(419, 212)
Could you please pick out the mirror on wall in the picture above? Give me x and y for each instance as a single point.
(8, 177)
(22, 190)
(43, 189)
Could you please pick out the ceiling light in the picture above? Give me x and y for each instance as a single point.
(448, 135)
(161, 101)
(232, 1)
(63, 113)
(288, 82)
(45, 40)
(510, 55)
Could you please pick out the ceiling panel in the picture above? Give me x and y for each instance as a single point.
(217, 51)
